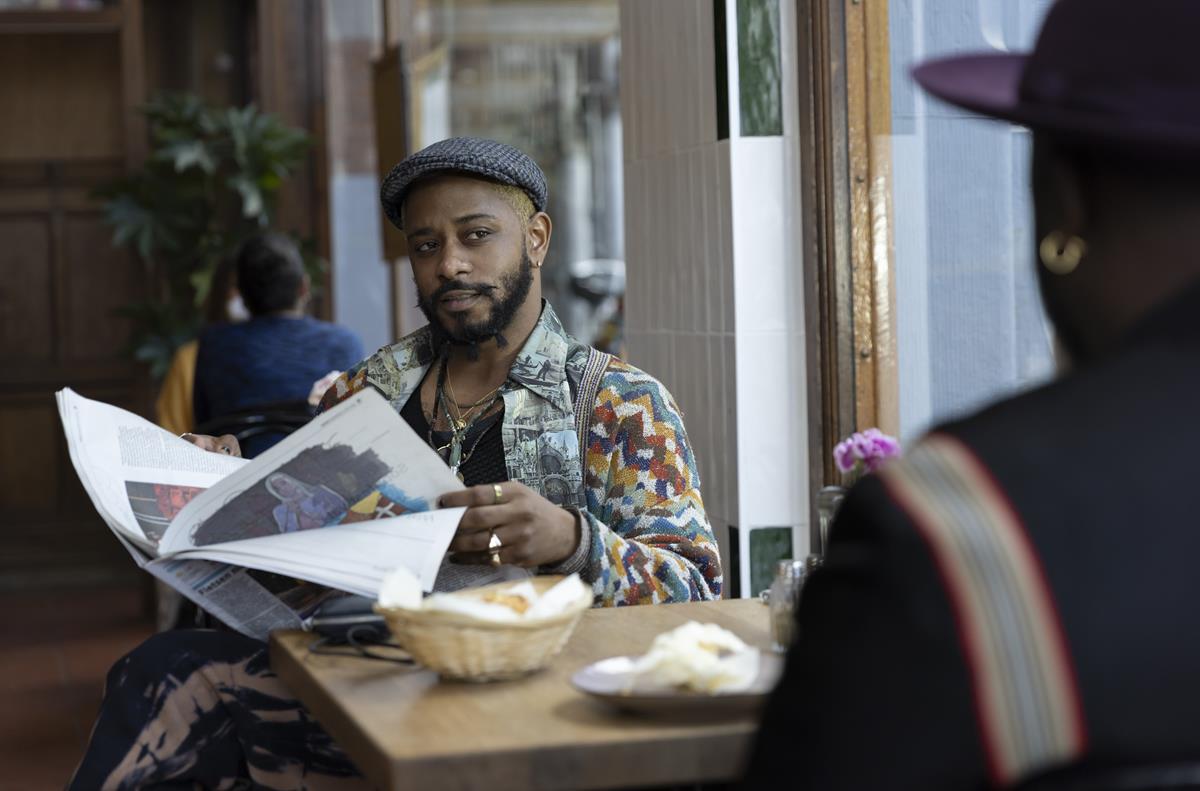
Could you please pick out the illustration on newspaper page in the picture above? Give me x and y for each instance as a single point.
(259, 544)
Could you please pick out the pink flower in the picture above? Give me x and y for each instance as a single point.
(843, 455)
(865, 450)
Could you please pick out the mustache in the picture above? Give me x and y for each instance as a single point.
(457, 285)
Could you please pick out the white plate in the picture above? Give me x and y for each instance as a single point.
(601, 682)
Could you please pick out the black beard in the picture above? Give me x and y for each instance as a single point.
(515, 290)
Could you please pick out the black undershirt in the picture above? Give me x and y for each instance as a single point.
(485, 464)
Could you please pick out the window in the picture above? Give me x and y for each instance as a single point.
(969, 320)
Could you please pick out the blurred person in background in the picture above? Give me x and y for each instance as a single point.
(1014, 601)
(173, 407)
(275, 358)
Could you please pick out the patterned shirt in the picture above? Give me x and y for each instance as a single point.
(645, 537)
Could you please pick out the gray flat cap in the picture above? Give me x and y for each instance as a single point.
(470, 155)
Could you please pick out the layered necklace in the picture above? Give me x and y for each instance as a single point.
(460, 418)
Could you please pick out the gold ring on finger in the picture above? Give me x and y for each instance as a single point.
(497, 494)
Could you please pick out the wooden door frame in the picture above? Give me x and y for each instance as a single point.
(849, 283)
(869, 119)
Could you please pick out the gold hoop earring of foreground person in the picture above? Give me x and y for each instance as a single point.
(1061, 253)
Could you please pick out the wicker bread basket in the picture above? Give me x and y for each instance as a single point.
(462, 647)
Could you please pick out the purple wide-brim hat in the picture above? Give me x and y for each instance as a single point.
(1101, 72)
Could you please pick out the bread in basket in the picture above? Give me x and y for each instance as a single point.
(470, 646)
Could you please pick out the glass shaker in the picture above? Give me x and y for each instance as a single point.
(782, 599)
(829, 500)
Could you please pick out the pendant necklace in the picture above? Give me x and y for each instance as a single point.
(461, 425)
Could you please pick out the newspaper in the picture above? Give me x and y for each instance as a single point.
(260, 544)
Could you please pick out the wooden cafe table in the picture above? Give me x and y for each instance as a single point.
(406, 730)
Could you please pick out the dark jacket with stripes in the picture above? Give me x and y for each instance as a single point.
(1019, 593)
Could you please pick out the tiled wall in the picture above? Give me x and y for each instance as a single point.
(709, 308)
(679, 305)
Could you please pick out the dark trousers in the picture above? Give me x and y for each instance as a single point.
(202, 709)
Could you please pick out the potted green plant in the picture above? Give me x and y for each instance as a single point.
(212, 179)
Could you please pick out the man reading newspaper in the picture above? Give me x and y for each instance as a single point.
(573, 462)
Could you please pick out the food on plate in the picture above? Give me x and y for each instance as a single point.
(695, 657)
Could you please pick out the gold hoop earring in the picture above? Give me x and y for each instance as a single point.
(537, 264)
(1060, 253)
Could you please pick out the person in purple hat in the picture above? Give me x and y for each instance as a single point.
(1013, 604)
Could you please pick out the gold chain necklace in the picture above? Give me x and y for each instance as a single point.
(460, 426)
(463, 416)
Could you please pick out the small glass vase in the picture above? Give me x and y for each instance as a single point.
(829, 500)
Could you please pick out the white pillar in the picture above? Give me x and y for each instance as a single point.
(714, 306)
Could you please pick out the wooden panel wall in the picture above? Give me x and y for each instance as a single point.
(60, 281)
(26, 292)
(80, 79)
(70, 86)
(289, 82)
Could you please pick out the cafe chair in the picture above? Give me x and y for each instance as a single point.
(1181, 776)
(279, 418)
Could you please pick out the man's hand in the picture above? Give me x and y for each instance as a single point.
(226, 444)
(532, 530)
(320, 386)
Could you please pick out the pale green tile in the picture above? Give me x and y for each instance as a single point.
(768, 546)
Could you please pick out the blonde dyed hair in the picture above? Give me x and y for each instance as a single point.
(518, 200)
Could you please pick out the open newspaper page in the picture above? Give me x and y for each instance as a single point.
(353, 557)
(237, 598)
(208, 518)
(137, 474)
(358, 470)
